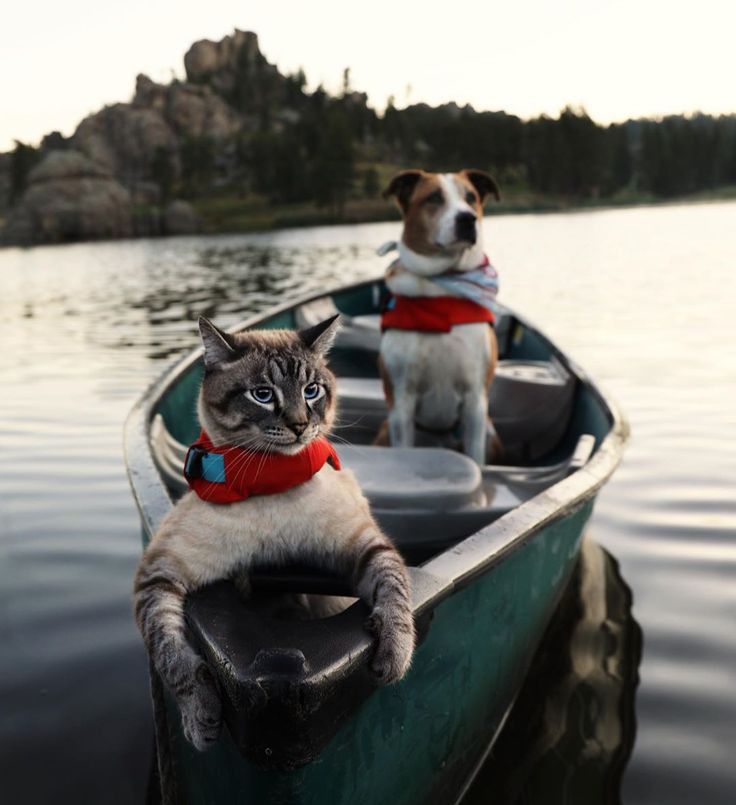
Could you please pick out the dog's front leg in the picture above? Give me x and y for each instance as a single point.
(474, 419)
(401, 420)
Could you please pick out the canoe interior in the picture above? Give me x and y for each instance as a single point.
(522, 342)
(483, 596)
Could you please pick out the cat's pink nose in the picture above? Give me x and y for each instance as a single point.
(298, 427)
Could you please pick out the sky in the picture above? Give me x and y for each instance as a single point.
(631, 58)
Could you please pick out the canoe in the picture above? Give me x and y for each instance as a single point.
(490, 549)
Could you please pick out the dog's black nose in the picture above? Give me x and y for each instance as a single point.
(465, 226)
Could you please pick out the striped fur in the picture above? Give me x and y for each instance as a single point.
(324, 521)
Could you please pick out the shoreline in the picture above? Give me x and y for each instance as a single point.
(230, 216)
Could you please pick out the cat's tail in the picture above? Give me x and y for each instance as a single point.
(160, 588)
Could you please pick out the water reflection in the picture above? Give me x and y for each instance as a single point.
(641, 298)
(571, 732)
(224, 282)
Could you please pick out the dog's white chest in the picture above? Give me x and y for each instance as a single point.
(437, 371)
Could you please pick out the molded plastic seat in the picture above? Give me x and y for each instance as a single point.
(428, 479)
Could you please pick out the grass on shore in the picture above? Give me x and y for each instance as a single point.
(232, 214)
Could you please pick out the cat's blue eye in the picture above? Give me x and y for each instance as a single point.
(311, 391)
(263, 394)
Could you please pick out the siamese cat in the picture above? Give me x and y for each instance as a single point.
(265, 487)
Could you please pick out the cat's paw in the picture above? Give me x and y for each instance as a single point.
(395, 638)
(201, 711)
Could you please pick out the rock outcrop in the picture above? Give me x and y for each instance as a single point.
(218, 63)
(70, 197)
(196, 112)
(117, 173)
(124, 140)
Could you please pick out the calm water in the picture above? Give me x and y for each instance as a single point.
(642, 298)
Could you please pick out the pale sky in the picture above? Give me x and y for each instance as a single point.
(59, 61)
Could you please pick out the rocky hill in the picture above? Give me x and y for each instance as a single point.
(118, 175)
(238, 145)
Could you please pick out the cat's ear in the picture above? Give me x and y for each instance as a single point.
(320, 337)
(219, 347)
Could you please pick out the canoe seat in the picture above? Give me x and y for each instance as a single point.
(431, 479)
(530, 404)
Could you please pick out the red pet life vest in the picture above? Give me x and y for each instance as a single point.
(432, 314)
(227, 474)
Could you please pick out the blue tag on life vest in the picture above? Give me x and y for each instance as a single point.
(208, 466)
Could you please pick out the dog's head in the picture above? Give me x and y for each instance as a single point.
(441, 210)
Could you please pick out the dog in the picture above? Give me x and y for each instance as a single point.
(438, 350)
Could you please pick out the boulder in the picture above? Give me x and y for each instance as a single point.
(70, 164)
(195, 111)
(149, 94)
(124, 139)
(236, 69)
(217, 63)
(69, 197)
(180, 218)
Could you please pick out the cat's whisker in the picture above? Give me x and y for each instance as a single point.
(353, 424)
(360, 448)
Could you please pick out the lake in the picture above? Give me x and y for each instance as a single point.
(643, 298)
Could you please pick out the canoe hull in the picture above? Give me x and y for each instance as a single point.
(418, 742)
(489, 597)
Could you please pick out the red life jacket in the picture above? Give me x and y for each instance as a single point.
(439, 314)
(432, 314)
(229, 474)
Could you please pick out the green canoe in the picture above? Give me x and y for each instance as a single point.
(491, 553)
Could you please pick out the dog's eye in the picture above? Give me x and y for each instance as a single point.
(311, 391)
(470, 197)
(434, 198)
(263, 394)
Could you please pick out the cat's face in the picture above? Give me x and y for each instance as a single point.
(267, 390)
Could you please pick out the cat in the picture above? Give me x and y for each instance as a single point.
(267, 396)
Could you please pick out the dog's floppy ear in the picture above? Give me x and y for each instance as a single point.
(402, 186)
(484, 183)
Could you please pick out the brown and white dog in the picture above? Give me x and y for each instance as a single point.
(438, 380)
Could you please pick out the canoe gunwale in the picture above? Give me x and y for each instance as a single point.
(455, 567)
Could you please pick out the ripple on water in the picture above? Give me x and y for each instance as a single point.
(85, 328)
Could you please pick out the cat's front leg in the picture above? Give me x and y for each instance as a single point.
(382, 581)
(161, 586)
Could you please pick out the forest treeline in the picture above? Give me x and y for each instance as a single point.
(312, 148)
(334, 149)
